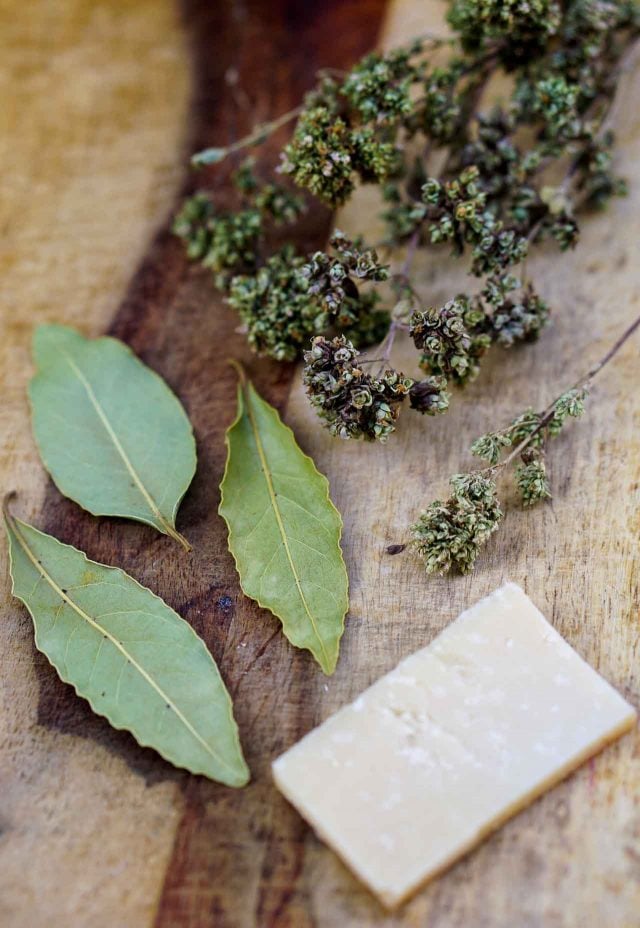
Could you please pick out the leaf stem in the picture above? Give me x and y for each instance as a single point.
(402, 277)
(175, 534)
(239, 369)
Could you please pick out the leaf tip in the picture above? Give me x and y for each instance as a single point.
(243, 778)
(236, 771)
(328, 663)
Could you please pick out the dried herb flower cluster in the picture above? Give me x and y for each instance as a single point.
(353, 403)
(286, 299)
(508, 177)
(486, 182)
(450, 533)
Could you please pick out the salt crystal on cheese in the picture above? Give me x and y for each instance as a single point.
(449, 745)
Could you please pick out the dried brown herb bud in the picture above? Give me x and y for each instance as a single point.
(429, 396)
(353, 403)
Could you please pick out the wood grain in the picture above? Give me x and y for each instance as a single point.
(86, 805)
(95, 100)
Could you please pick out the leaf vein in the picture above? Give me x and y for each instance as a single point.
(278, 515)
(307, 512)
(117, 444)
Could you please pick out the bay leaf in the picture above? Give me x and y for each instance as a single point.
(109, 430)
(284, 531)
(129, 654)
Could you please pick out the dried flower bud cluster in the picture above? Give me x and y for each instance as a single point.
(531, 478)
(569, 405)
(429, 396)
(325, 154)
(457, 213)
(485, 182)
(353, 403)
(278, 314)
(524, 23)
(452, 339)
(225, 243)
(532, 430)
(443, 109)
(286, 300)
(333, 277)
(450, 534)
(379, 86)
(518, 320)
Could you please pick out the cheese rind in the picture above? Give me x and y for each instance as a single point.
(450, 744)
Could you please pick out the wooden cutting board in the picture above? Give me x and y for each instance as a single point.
(103, 104)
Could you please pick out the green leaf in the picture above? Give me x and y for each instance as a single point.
(284, 531)
(124, 650)
(110, 432)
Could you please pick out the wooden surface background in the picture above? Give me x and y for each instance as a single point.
(101, 104)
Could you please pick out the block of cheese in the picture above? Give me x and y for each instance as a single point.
(450, 744)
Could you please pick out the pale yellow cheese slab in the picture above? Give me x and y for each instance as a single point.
(454, 741)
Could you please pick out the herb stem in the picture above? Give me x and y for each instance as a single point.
(615, 348)
(402, 278)
(257, 135)
(386, 345)
(581, 384)
(411, 251)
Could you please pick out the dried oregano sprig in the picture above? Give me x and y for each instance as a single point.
(273, 303)
(450, 533)
(507, 177)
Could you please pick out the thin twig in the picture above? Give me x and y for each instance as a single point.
(411, 251)
(386, 345)
(582, 384)
(257, 135)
